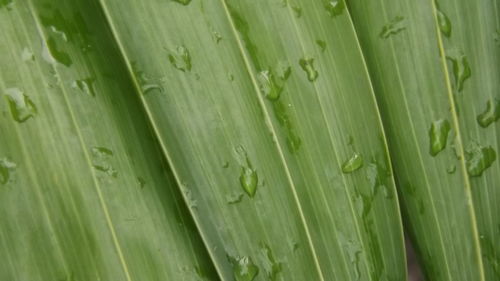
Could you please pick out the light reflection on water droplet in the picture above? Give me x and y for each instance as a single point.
(355, 162)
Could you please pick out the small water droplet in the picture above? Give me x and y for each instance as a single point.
(230, 77)
(101, 156)
(307, 64)
(321, 44)
(451, 169)
(443, 21)
(216, 36)
(461, 68)
(6, 168)
(21, 106)
(479, 158)
(352, 164)
(182, 2)
(141, 181)
(27, 55)
(297, 10)
(191, 201)
(395, 26)
(490, 114)
(271, 266)
(248, 176)
(181, 59)
(52, 54)
(85, 85)
(243, 268)
(496, 37)
(150, 88)
(234, 198)
(438, 135)
(335, 7)
(225, 165)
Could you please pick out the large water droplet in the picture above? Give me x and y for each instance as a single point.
(85, 85)
(438, 135)
(490, 114)
(182, 2)
(243, 268)
(27, 55)
(479, 158)
(6, 167)
(181, 59)
(307, 64)
(101, 157)
(248, 176)
(395, 26)
(21, 106)
(52, 54)
(443, 22)
(461, 68)
(352, 164)
(271, 266)
(335, 7)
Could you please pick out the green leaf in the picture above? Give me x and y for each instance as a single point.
(84, 191)
(443, 66)
(257, 129)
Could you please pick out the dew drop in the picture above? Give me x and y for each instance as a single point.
(271, 266)
(85, 85)
(182, 2)
(444, 23)
(451, 169)
(355, 162)
(496, 37)
(101, 157)
(321, 44)
(141, 181)
(490, 114)
(307, 64)
(181, 59)
(21, 106)
(395, 26)
(248, 175)
(298, 11)
(335, 7)
(6, 168)
(461, 68)
(243, 268)
(234, 198)
(191, 201)
(438, 135)
(52, 54)
(27, 55)
(216, 36)
(148, 88)
(268, 85)
(479, 158)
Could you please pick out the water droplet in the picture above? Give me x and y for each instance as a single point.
(293, 140)
(443, 22)
(216, 36)
(6, 167)
(21, 106)
(438, 135)
(268, 85)
(182, 2)
(181, 59)
(271, 266)
(451, 169)
(225, 165)
(490, 114)
(150, 88)
(27, 55)
(191, 201)
(141, 181)
(321, 44)
(248, 176)
(283, 70)
(461, 68)
(231, 77)
(496, 37)
(354, 251)
(395, 26)
(85, 85)
(52, 54)
(308, 66)
(243, 268)
(234, 198)
(101, 156)
(479, 158)
(297, 10)
(335, 7)
(354, 163)
(6, 3)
